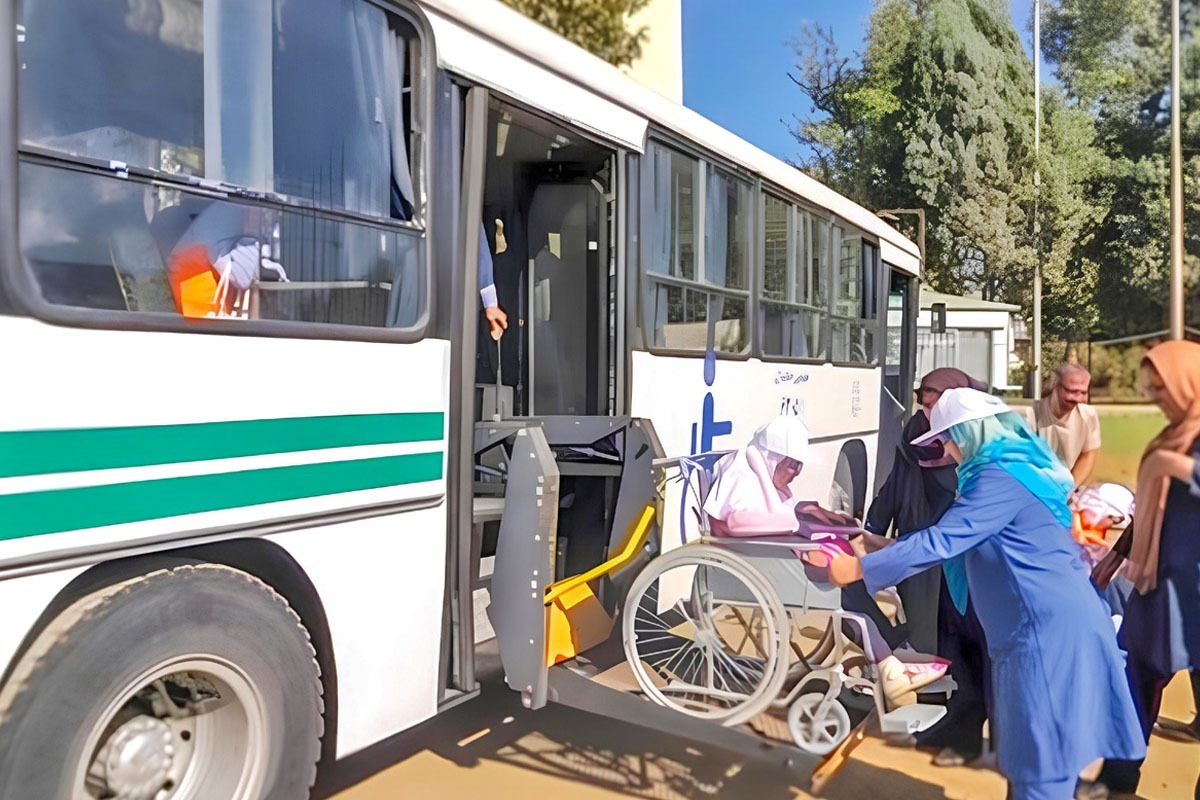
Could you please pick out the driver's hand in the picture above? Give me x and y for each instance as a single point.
(497, 321)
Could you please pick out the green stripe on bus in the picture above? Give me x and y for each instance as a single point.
(57, 510)
(45, 452)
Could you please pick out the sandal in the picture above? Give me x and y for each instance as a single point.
(901, 681)
(1188, 732)
(949, 757)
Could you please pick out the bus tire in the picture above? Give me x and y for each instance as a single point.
(847, 492)
(198, 682)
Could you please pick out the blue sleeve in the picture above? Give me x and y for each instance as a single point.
(487, 284)
(978, 514)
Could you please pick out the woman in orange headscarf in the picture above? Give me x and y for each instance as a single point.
(1161, 629)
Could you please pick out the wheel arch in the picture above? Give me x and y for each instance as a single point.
(264, 560)
(854, 455)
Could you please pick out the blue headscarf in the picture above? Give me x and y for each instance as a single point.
(1006, 441)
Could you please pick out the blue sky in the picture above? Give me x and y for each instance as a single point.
(736, 60)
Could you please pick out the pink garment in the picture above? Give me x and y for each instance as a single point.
(743, 482)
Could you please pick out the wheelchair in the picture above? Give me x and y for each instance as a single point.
(713, 629)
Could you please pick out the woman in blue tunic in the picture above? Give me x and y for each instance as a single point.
(1061, 700)
(1161, 629)
(921, 486)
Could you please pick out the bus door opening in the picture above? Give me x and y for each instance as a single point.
(896, 393)
(549, 270)
(545, 401)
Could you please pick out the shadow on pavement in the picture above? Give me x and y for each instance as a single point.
(614, 755)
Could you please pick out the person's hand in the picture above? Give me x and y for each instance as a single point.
(844, 569)
(873, 541)
(842, 518)
(828, 517)
(497, 321)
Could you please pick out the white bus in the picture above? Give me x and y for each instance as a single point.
(255, 439)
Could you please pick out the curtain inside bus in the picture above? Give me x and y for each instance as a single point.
(302, 97)
(716, 244)
(657, 216)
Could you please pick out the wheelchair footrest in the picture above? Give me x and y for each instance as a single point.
(911, 719)
(942, 686)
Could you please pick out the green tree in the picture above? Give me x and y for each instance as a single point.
(1112, 57)
(938, 114)
(599, 26)
(969, 149)
(1071, 163)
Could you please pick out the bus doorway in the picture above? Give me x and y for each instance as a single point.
(896, 401)
(564, 509)
(548, 264)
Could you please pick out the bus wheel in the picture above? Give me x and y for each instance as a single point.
(841, 491)
(847, 492)
(194, 683)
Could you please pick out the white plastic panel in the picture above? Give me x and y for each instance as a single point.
(893, 256)
(490, 64)
(85, 379)
(382, 584)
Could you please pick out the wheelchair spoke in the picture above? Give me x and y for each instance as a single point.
(718, 657)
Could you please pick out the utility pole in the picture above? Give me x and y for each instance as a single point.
(1037, 196)
(891, 213)
(1175, 314)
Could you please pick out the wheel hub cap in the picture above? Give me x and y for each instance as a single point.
(137, 758)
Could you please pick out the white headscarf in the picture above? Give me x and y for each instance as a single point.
(743, 481)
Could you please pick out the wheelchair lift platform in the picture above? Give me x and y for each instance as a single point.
(557, 585)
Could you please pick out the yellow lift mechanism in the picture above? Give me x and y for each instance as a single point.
(575, 618)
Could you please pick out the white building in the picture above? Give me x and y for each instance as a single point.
(661, 64)
(979, 337)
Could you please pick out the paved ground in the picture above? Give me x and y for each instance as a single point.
(492, 748)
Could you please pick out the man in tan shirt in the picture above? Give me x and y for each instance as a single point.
(1068, 424)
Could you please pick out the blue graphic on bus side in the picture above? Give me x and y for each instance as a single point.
(709, 427)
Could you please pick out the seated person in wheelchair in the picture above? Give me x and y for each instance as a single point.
(751, 496)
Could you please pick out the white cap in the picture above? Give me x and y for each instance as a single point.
(959, 405)
(787, 436)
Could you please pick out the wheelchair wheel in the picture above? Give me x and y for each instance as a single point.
(818, 725)
(706, 634)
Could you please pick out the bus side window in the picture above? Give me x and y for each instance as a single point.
(789, 317)
(855, 298)
(109, 80)
(173, 92)
(689, 301)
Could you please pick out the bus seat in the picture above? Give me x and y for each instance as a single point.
(140, 273)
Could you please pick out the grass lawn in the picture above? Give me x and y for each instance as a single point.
(1124, 432)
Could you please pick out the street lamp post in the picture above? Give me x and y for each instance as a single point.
(1037, 196)
(1176, 301)
(893, 214)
